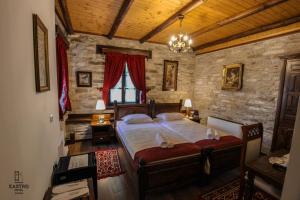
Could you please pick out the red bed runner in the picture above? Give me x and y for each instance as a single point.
(225, 141)
(158, 153)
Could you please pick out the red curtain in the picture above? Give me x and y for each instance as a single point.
(114, 67)
(136, 68)
(62, 76)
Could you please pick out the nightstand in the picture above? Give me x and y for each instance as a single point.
(195, 119)
(194, 116)
(101, 132)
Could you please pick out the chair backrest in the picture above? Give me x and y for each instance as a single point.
(252, 139)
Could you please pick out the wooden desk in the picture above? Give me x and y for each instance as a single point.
(262, 168)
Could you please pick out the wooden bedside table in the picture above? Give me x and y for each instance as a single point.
(195, 119)
(102, 132)
(194, 116)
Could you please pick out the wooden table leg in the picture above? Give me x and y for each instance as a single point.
(249, 186)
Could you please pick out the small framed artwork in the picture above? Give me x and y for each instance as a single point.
(41, 57)
(170, 75)
(84, 79)
(232, 78)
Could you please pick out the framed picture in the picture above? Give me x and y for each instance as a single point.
(84, 79)
(170, 75)
(232, 77)
(41, 57)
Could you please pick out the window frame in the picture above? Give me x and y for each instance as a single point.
(123, 91)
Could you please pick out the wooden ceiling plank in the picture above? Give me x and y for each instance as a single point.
(66, 15)
(251, 32)
(121, 15)
(237, 17)
(187, 8)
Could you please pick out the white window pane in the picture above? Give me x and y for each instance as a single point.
(116, 94)
(129, 83)
(130, 95)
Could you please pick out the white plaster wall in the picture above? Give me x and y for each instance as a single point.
(28, 140)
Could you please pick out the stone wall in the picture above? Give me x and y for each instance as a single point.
(257, 100)
(82, 56)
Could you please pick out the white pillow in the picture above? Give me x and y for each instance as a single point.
(137, 119)
(170, 116)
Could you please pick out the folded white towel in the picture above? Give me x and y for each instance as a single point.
(162, 141)
(212, 134)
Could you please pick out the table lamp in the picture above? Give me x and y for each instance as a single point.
(187, 104)
(100, 106)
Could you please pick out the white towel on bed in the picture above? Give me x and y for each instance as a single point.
(163, 141)
(212, 134)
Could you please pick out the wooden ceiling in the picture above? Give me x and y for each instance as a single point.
(213, 24)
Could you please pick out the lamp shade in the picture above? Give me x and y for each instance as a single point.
(188, 103)
(100, 105)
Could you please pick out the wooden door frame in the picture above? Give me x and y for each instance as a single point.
(280, 96)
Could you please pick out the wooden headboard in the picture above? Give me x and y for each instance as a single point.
(166, 107)
(122, 110)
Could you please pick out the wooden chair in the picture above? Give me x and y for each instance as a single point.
(251, 150)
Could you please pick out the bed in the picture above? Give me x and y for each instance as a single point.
(152, 168)
(220, 155)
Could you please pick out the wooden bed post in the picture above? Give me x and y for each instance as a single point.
(115, 113)
(142, 180)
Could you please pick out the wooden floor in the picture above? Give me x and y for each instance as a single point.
(117, 188)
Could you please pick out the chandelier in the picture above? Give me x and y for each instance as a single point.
(182, 42)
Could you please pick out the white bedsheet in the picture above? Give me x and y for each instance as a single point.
(188, 129)
(137, 137)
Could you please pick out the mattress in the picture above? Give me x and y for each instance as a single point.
(196, 133)
(138, 137)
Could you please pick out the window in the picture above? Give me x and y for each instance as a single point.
(124, 92)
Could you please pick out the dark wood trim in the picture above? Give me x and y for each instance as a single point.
(117, 37)
(102, 49)
(239, 16)
(249, 42)
(290, 56)
(37, 23)
(278, 107)
(60, 18)
(66, 15)
(61, 33)
(121, 15)
(260, 29)
(187, 8)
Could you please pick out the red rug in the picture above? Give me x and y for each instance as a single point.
(230, 191)
(108, 163)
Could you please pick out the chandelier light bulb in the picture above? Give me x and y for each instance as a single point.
(180, 43)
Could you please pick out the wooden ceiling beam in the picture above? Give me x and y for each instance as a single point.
(121, 15)
(187, 8)
(237, 17)
(66, 16)
(260, 29)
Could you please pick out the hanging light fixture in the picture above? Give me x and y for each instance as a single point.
(182, 42)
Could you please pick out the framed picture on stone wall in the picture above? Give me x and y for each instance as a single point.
(84, 79)
(232, 78)
(41, 57)
(170, 75)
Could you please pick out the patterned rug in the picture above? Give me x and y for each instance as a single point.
(108, 163)
(230, 191)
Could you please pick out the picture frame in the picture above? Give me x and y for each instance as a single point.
(84, 79)
(41, 55)
(170, 75)
(232, 78)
